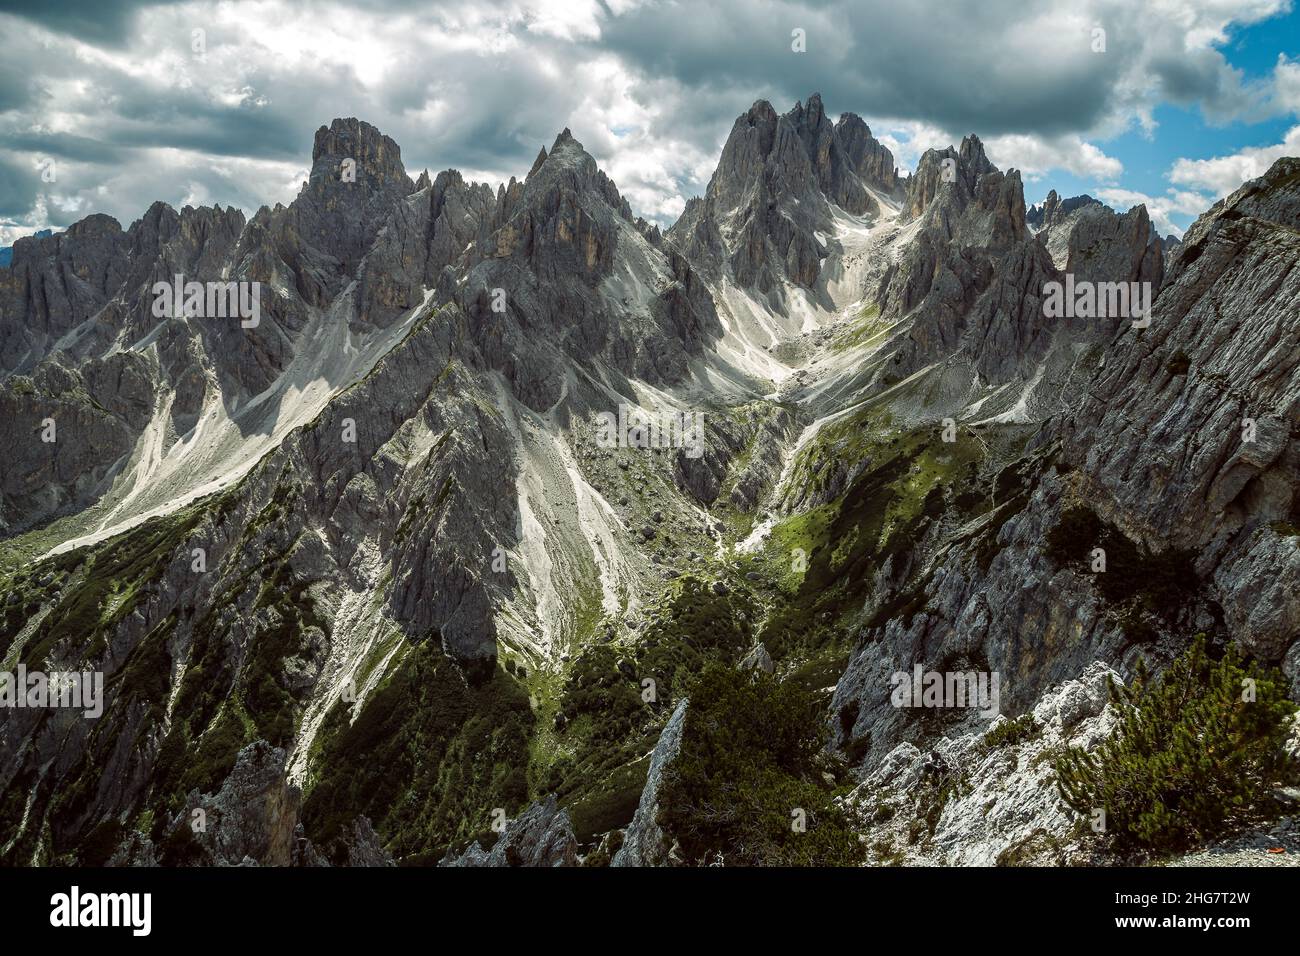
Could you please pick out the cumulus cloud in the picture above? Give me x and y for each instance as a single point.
(1161, 209)
(1223, 174)
(1036, 156)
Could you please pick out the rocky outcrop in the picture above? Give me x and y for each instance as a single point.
(971, 282)
(1222, 417)
(1155, 443)
(644, 843)
(757, 659)
(1053, 209)
(1095, 244)
(567, 277)
(72, 428)
(871, 158)
(961, 168)
(1170, 245)
(540, 836)
(252, 817)
(988, 803)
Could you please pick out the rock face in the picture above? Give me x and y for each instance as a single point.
(1004, 806)
(771, 196)
(644, 843)
(1223, 417)
(870, 158)
(566, 276)
(1096, 244)
(540, 836)
(971, 283)
(758, 659)
(972, 287)
(1160, 412)
(252, 818)
(1054, 208)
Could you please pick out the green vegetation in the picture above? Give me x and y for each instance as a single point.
(606, 725)
(427, 759)
(1038, 848)
(906, 481)
(1194, 753)
(867, 329)
(748, 772)
(118, 576)
(1013, 731)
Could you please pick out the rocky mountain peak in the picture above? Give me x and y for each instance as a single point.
(466, 337)
(1091, 241)
(537, 163)
(872, 160)
(377, 158)
(568, 170)
(773, 190)
(1053, 208)
(973, 156)
(564, 138)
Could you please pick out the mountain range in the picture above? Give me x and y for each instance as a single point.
(368, 583)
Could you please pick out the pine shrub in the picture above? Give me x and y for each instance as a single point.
(1193, 753)
(749, 759)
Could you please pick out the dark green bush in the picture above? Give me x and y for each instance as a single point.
(1013, 731)
(1190, 756)
(748, 760)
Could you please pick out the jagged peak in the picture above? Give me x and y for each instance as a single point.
(812, 108)
(347, 128)
(537, 163)
(972, 153)
(760, 110)
(449, 177)
(563, 139)
(850, 119)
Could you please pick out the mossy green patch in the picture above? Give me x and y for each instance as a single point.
(867, 329)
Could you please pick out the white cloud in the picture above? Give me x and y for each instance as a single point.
(1223, 174)
(1159, 208)
(1035, 156)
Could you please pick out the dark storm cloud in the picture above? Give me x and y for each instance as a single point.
(101, 21)
(930, 61)
(63, 146)
(19, 184)
(237, 131)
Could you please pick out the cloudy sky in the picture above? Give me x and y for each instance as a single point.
(107, 105)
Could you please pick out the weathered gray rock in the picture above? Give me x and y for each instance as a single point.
(770, 196)
(757, 659)
(644, 843)
(253, 816)
(541, 835)
(1003, 804)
